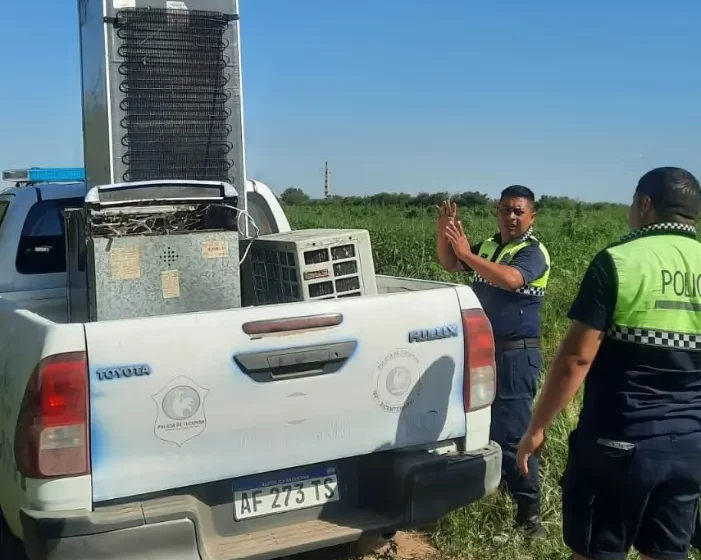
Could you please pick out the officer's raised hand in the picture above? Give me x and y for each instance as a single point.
(455, 233)
(447, 212)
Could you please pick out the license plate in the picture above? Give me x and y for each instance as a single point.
(288, 491)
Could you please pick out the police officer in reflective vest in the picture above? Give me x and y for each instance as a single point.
(510, 273)
(633, 472)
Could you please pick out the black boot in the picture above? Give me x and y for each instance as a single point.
(528, 518)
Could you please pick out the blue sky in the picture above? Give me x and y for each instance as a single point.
(575, 99)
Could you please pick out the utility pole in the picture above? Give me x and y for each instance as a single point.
(326, 179)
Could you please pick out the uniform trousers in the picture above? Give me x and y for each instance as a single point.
(622, 494)
(518, 370)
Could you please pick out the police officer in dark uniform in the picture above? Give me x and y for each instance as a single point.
(633, 472)
(510, 274)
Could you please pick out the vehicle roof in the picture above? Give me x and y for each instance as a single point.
(50, 191)
(66, 190)
(70, 190)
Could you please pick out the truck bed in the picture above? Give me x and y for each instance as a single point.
(397, 284)
(52, 304)
(234, 401)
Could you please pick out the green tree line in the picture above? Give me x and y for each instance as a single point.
(467, 199)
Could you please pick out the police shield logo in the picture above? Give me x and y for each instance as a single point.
(397, 381)
(181, 414)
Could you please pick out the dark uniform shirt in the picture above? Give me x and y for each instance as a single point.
(625, 396)
(513, 316)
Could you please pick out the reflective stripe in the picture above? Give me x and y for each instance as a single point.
(531, 291)
(662, 339)
(663, 226)
(524, 290)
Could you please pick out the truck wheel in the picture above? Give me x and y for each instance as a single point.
(367, 544)
(10, 546)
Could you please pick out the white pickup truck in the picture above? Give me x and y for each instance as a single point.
(136, 439)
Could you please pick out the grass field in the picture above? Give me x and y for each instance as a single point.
(403, 240)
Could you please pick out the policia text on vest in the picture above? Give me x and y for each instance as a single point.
(510, 273)
(681, 283)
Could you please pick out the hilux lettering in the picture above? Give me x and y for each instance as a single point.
(435, 333)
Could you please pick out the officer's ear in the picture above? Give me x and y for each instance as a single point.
(644, 203)
(534, 209)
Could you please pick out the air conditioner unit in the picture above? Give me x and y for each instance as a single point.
(308, 264)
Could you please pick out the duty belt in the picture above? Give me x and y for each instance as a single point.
(522, 343)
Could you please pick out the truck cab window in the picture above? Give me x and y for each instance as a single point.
(259, 211)
(3, 210)
(42, 248)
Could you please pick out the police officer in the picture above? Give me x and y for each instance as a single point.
(510, 274)
(634, 467)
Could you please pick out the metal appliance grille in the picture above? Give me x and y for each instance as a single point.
(309, 265)
(275, 276)
(174, 80)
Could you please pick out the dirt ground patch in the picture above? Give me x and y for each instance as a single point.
(404, 546)
(411, 546)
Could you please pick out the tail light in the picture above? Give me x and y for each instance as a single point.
(51, 439)
(480, 382)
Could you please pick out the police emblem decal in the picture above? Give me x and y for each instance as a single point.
(180, 415)
(397, 381)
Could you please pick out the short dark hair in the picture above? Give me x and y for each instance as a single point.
(518, 191)
(674, 193)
